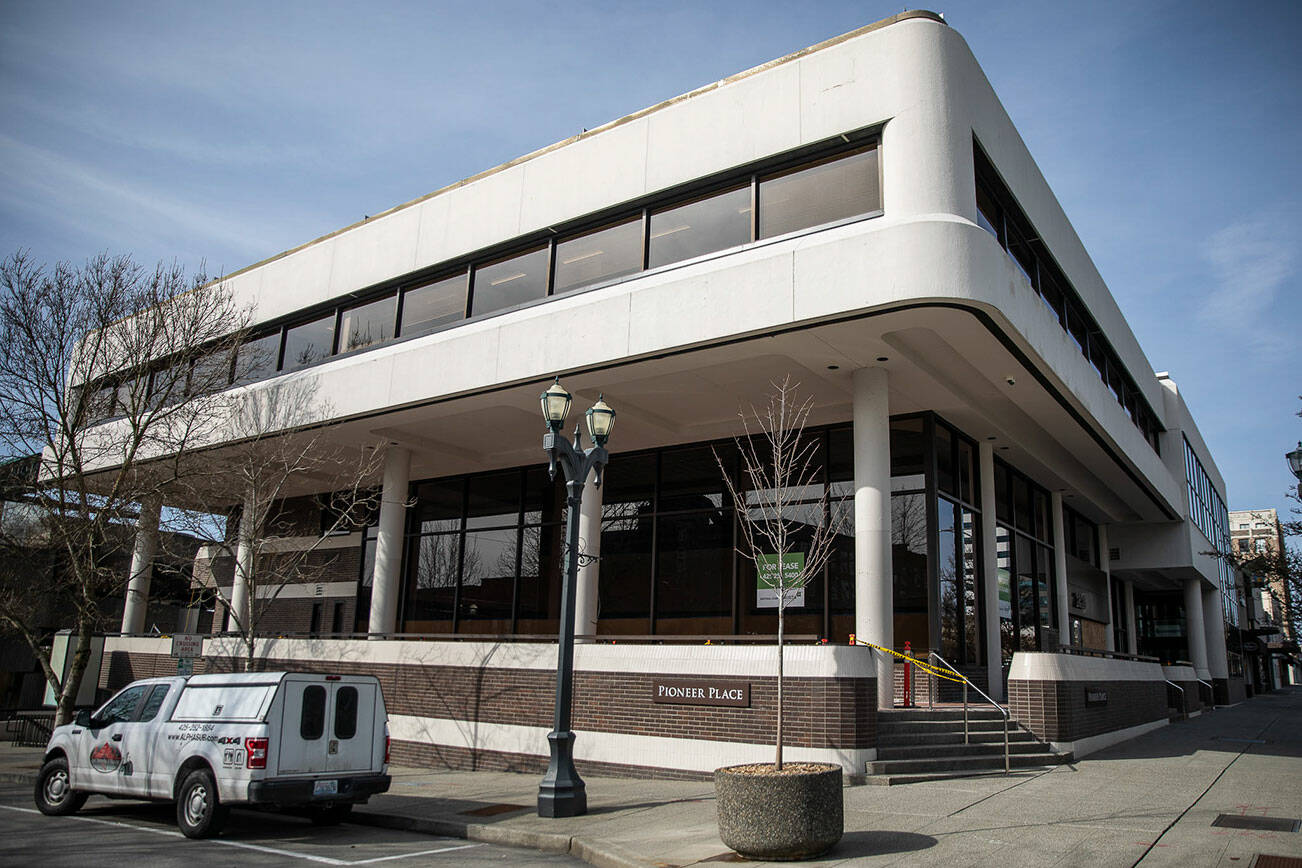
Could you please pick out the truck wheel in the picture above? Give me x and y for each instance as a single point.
(331, 816)
(54, 793)
(198, 811)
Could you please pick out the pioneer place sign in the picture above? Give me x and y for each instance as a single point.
(700, 691)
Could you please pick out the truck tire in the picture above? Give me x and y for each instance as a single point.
(54, 793)
(199, 813)
(330, 816)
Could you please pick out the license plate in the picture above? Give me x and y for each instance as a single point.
(325, 788)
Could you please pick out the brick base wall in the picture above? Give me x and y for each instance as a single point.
(463, 759)
(1057, 711)
(821, 713)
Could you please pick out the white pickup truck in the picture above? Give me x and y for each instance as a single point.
(275, 739)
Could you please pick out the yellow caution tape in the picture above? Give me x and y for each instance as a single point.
(925, 667)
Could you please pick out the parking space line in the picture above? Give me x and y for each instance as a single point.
(409, 855)
(324, 860)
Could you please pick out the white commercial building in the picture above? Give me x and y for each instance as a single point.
(861, 216)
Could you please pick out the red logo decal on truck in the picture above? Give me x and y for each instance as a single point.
(105, 758)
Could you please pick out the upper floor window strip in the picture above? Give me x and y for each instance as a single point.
(999, 214)
(831, 188)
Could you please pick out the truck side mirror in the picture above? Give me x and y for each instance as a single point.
(82, 718)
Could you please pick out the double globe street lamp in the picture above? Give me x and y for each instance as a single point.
(561, 793)
(1295, 464)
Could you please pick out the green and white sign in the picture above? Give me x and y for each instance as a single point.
(768, 580)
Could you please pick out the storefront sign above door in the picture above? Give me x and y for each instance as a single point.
(700, 691)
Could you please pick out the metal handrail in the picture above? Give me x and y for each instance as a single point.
(1184, 705)
(966, 684)
(1211, 692)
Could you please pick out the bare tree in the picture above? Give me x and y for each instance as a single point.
(256, 481)
(102, 386)
(788, 528)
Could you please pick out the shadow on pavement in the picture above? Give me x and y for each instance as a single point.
(1263, 726)
(878, 843)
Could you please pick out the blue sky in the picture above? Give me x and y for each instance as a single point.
(227, 132)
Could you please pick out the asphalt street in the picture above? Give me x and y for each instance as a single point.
(125, 834)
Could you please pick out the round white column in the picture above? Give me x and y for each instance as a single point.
(1195, 626)
(1132, 631)
(990, 572)
(238, 614)
(1060, 567)
(1214, 630)
(386, 581)
(874, 609)
(142, 566)
(587, 597)
(1110, 638)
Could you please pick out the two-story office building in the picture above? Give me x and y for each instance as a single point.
(861, 216)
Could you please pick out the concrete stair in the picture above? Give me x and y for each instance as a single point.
(927, 744)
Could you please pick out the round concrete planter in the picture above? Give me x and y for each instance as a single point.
(781, 817)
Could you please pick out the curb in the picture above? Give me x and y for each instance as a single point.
(28, 778)
(597, 853)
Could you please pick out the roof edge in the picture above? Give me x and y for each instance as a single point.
(641, 113)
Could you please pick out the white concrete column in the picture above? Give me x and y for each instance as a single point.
(587, 598)
(1214, 629)
(238, 614)
(1132, 629)
(1195, 626)
(386, 581)
(142, 566)
(990, 572)
(874, 608)
(1060, 567)
(1110, 639)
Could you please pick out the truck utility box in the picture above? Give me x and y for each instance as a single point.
(279, 739)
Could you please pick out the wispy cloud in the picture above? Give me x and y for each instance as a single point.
(87, 200)
(1251, 262)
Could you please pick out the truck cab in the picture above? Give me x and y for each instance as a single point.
(207, 742)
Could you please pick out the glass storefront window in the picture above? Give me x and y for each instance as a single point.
(831, 189)
(602, 254)
(694, 566)
(511, 281)
(487, 579)
(690, 478)
(701, 226)
(425, 308)
(540, 581)
(493, 500)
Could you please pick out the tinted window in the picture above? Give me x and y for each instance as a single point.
(122, 706)
(425, 308)
(153, 703)
(702, 226)
(312, 724)
(211, 373)
(367, 324)
(493, 500)
(605, 253)
(309, 342)
(831, 189)
(509, 282)
(346, 712)
(256, 360)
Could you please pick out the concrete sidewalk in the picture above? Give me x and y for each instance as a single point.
(1151, 801)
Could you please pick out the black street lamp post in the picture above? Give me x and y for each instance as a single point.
(1295, 464)
(561, 793)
